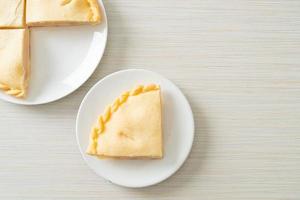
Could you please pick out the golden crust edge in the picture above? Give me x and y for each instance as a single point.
(60, 23)
(129, 157)
(95, 10)
(94, 19)
(19, 93)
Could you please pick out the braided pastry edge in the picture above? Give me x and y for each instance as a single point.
(104, 118)
(11, 91)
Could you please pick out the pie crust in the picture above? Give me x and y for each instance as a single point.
(14, 61)
(14, 35)
(130, 128)
(62, 12)
(12, 13)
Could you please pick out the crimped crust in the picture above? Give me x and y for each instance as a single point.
(110, 110)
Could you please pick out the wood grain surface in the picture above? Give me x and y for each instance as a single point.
(237, 61)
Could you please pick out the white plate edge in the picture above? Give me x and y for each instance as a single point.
(167, 175)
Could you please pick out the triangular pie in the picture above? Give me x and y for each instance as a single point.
(12, 13)
(62, 12)
(14, 61)
(131, 127)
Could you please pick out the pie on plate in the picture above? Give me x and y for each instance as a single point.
(12, 13)
(130, 128)
(17, 16)
(14, 61)
(62, 12)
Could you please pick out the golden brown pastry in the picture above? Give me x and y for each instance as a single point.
(62, 12)
(14, 61)
(12, 13)
(131, 127)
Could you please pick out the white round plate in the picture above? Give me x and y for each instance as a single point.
(62, 59)
(178, 129)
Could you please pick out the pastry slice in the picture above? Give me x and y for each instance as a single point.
(131, 127)
(62, 12)
(14, 61)
(12, 13)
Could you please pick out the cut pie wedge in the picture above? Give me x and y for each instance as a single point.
(131, 127)
(14, 61)
(12, 13)
(62, 12)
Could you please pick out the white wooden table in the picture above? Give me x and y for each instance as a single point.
(238, 62)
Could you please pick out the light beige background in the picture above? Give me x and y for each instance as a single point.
(238, 62)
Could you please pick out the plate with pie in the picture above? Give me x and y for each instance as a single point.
(52, 50)
(135, 128)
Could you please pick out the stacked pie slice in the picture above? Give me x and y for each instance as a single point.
(14, 33)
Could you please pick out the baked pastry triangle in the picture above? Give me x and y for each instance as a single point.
(62, 12)
(12, 13)
(14, 61)
(131, 127)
